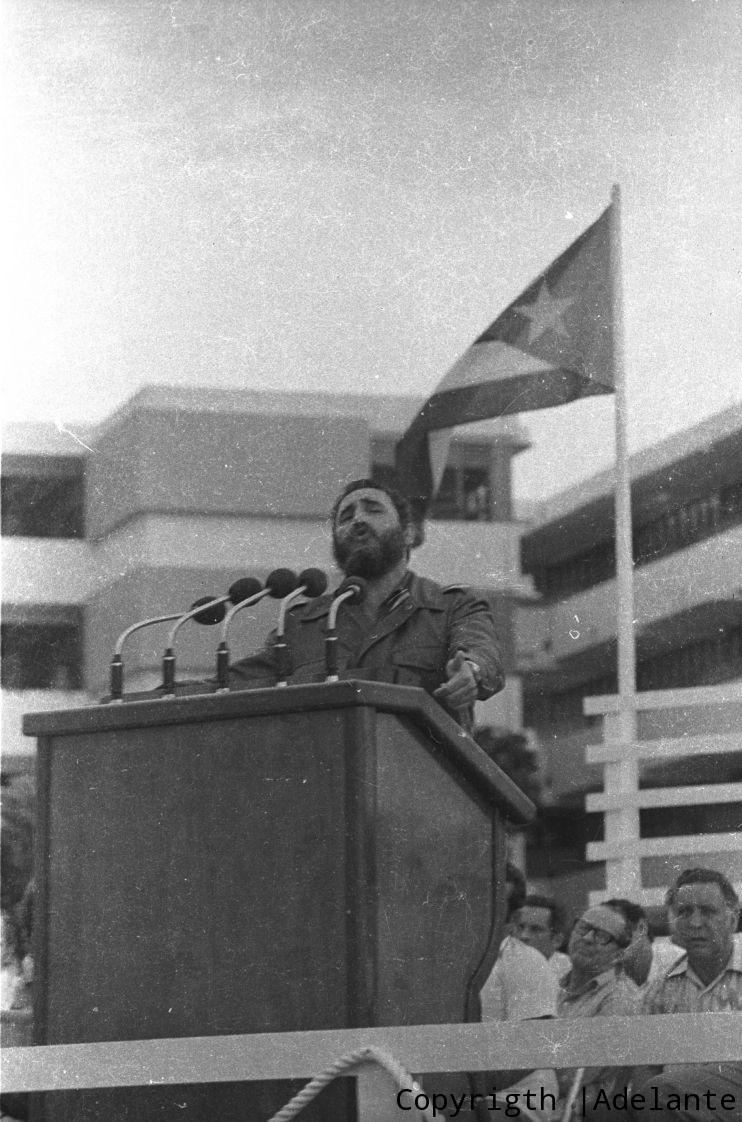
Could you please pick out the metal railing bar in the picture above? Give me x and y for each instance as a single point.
(677, 845)
(666, 797)
(614, 751)
(730, 693)
(678, 1038)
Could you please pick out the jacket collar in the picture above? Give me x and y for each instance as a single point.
(734, 964)
(598, 981)
(419, 591)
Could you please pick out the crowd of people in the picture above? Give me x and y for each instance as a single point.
(613, 968)
(17, 963)
(16, 990)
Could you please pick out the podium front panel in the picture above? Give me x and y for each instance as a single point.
(435, 869)
(253, 872)
(180, 871)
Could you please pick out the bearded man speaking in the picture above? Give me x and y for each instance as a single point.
(407, 630)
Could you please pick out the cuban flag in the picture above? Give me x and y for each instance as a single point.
(552, 345)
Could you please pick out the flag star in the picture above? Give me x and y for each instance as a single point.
(544, 314)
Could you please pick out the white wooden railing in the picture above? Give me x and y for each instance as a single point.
(717, 712)
(594, 1041)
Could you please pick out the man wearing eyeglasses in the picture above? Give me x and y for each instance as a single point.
(596, 986)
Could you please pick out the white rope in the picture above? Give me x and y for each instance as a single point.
(401, 1077)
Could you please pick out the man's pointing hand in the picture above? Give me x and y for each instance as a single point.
(461, 688)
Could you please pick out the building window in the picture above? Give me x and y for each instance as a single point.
(465, 491)
(565, 578)
(42, 497)
(447, 503)
(42, 654)
(564, 707)
(676, 529)
(705, 662)
(708, 661)
(477, 495)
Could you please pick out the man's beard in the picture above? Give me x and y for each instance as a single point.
(372, 555)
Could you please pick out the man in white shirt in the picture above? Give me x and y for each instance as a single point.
(540, 923)
(521, 985)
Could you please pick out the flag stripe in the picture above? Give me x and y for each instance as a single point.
(550, 346)
(489, 358)
(414, 472)
(438, 445)
(524, 393)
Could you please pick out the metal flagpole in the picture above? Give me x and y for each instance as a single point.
(623, 877)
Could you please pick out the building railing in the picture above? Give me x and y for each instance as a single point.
(624, 848)
(595, 1041)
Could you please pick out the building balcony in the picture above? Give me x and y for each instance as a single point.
(46, 570)
(690, 584)
(480, 554)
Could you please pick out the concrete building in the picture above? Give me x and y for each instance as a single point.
(687, 531)
(180, 492)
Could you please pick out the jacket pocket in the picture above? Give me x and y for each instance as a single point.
(419, 666)
(312, 670)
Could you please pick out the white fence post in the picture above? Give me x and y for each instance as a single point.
(681, 724)
(621, 779)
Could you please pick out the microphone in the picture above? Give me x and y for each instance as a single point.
(351, 591)
(241, 591)
(207, 610)
(312, 582)
(281, 582)
(117, 665)
(278, 584)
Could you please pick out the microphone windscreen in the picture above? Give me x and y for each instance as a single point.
(281, 582)
(214, 614)
(356, 585)
(243, 589)
(314, 581)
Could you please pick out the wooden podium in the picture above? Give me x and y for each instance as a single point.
(260, 861)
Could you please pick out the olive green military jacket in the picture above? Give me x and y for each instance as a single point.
(419, 629)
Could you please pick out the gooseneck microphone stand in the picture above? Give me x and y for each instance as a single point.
(117, 665)
(208, 610)
(279, 583)
(312, 582)
(353, 591)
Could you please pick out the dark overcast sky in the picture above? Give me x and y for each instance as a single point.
(340, 195)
